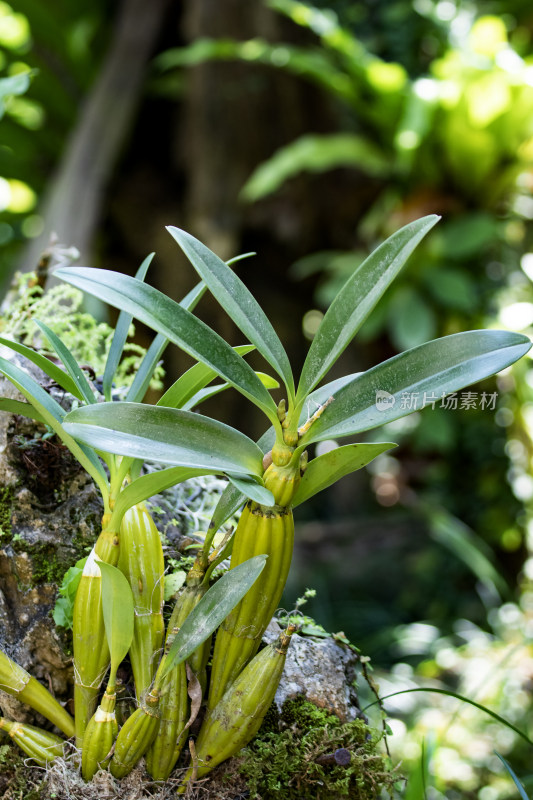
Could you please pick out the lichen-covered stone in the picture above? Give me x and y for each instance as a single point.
(320, 669)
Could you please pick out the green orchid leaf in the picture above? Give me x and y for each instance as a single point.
(238, 302)
(192, 381)
(213, 609)
(228, 504)
(170, 319)
(240, 257)
(168, 435)
(145, 373)
(328, 468)
(48, 367)
(120, 335)
(20, 408)
(118, 610)
(252, 490)
(71, 365)
(148, 485)
(210, 391)
(414, 379)
(357, 298)
(204, 394)
(53, 415)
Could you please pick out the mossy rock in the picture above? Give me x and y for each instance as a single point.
(283, 761)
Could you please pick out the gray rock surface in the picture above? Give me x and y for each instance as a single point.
(320, 669)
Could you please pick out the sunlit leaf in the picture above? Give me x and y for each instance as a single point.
(252, 490)
(148, 485)
(145, 373)
(192, 381)
(20, 408)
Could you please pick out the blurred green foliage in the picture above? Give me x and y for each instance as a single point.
(60, 45)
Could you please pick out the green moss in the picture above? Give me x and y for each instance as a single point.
(6, 503)
(16, 779)
(283, 764)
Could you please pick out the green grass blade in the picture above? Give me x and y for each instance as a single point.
(192, 381)
(118, 610)
(457, 697)
(71, 365)
(168, 435)
(238, 302)
(120, 335)
(180, 326)
(328, 468)
(512, 773)
(48, 367)
(428, 372)
(357, 298)
(53, 415)
(21, 408)
(213, 608)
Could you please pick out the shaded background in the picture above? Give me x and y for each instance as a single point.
(309, 134)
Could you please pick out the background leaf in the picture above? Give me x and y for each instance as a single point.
(512, 773)
(314, 153)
